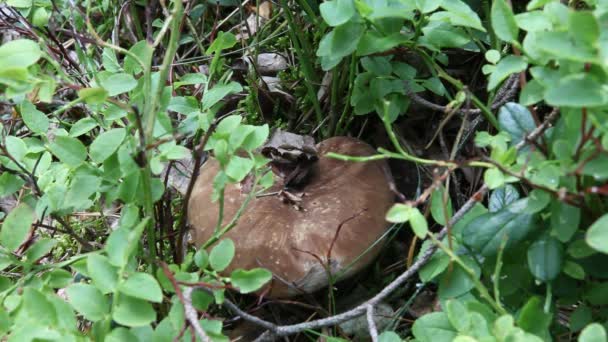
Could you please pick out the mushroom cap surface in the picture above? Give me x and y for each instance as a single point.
(291, 243)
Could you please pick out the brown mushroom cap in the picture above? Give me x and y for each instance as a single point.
(285, 240)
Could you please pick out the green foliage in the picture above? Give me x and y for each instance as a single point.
(506, 271)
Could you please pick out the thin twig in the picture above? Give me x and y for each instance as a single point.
(371, 324)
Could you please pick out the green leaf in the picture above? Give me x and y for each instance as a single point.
(458, 13)
(218, 92)
(142, 286)
(109, 60)
(516, 120)
(418, 223)
(106, 144)
(9, 183)
(574, 270)
(16, 147)
(16, 226)
(533, 318)
(458, 282)
(143, 51)
(594, 332)
(597, 235)
(238, 168)
(41, 248)
(494, 178)
(337, 12)
(534, 21)
(373, 42)
(201, 258)
(578, 90)
(69, 150)
(19, 53)
(34, 119)
(583, 26)
(133, 312)
(502, 197)
(88, 301)
(190, 79)
(221, 255)
(120, 334)
(93, 95)
(427, 6)
(82, 187)
(247, 281)
(458, 315)
(503, 21)
(398, 213)
(82, 126)
(545, 258)
(485, 233)
(437, 207)
(256, 138)
(581, 317)
(532, 93)
(565, 219)
(122, 243)
(224, 40)
(509, 65)
(341, 41)
(104, 275)
(19, 3)
(119, 83)
(184, 104)
(433, 327)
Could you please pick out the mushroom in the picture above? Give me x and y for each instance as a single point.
(342, 209)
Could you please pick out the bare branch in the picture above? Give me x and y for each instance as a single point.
(371, 324)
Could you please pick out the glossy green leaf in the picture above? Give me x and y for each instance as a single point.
(485, 233)
(565, 219)
(597, 235)
(516, 120)
(545, 258)
(502, 197)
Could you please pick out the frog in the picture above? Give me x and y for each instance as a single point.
(291, 156)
